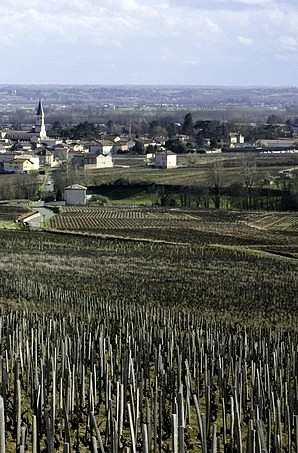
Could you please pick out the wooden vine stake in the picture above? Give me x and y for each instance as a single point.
(175, 432)
(132, 429)
(145, 438)
(34, 434)
(2, 426)
(19, 413)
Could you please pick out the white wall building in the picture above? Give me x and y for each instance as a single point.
(105, 146)
(75, 195)
(104, 161)
(92, 161)
(236, 138)
(165, 159)
(21, 164)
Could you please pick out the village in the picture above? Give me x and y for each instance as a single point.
(33, 151)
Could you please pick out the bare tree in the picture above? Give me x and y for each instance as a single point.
(248, 176)
(215, 177)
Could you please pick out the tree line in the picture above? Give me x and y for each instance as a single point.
(197, 133)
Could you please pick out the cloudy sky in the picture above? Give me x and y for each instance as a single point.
(201, 42)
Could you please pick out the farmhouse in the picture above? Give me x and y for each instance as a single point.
(21, 164)
(91, 161)
(165, 159)
(235, 138)
(105, 146)
(104, 161)
(75, 195)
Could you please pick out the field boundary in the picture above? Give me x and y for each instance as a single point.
(113, 237)
(262, 253)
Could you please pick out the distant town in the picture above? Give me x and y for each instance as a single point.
(158, 140)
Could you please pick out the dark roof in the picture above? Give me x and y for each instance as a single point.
(106, 143)
(39, 109)
(44, 152)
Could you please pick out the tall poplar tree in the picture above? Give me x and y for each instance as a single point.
(187, 128)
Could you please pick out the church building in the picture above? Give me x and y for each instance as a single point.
(39, 128)
(37, 133)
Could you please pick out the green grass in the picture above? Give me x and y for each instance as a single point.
(140, 198)
(9, 225)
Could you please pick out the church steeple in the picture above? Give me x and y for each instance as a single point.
(40, 111)
(40, 125)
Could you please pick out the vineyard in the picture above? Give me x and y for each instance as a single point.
(287, 222)
(150, 330)
(199, 226)
(10, 212)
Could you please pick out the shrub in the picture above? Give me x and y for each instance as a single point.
(98, 200)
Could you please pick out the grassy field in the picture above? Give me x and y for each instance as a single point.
(193, 170)
(136, 329)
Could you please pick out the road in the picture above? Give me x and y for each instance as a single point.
(50, 185)
(44, 214)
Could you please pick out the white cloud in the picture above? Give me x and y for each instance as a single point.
(245, 41)
(289, 42)
(191, 62)
(212, 26)
(170, 31)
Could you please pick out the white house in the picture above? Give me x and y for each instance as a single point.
(91, 161)
(105, 146)
(165, 159)
(21, 164)
(104, 161)
(75, 195)
(77, 146)
(235, 139)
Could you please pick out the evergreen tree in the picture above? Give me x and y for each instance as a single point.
(187, 128)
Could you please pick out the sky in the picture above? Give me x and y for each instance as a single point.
(163, 42)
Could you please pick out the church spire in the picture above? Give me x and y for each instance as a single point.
(40, 125)
(40, 111)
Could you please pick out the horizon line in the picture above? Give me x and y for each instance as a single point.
(145, 85)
